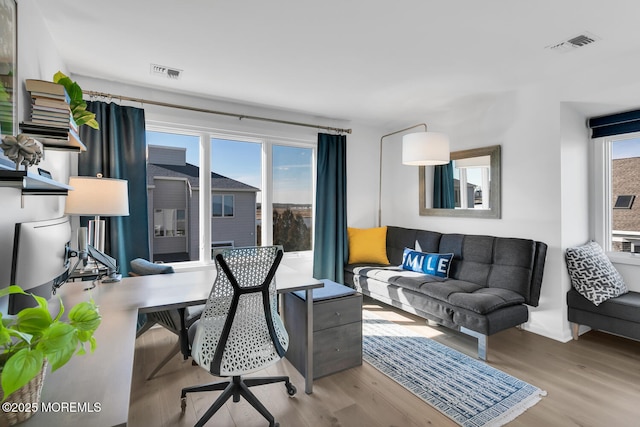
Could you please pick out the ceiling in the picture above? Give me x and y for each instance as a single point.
(376, 61)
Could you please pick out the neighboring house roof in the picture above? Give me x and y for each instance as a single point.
(191, 172)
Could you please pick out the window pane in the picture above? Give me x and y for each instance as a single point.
(216, 206)
(625, 186)
(228, 205)
(236, 168)
(173, 166)
(292, 197)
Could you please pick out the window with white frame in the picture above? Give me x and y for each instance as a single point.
(235, 177)
(222, 205)
(619, 157)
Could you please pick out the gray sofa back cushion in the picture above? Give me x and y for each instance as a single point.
(496, 262)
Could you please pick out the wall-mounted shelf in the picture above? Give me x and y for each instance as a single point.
(30, 183)
(71, 143)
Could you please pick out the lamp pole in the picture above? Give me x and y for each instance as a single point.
(380, 177)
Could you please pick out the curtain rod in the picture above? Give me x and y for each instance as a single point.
(206, 110)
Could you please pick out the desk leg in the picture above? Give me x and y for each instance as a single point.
(308, 381)
(184, 336)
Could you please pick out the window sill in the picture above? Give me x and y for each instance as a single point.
(624, 258)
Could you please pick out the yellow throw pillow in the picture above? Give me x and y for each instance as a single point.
(368, 245)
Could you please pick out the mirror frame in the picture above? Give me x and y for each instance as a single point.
(494, 191)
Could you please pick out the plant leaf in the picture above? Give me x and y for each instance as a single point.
(5, 337)
(13, 289)
(85, 316)
(33, 320)
(77, 103)
(58, 343)
(22, 335)
(20, 369)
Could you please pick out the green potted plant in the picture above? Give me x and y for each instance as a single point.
(32, 338)
(77, 104)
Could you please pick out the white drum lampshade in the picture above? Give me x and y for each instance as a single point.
(425, 149)
(97, 196)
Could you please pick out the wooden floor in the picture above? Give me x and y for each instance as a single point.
(594, 381)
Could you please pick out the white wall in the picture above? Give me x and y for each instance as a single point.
(544, 162)
(527, 126)
(545, 184)
(37, 59)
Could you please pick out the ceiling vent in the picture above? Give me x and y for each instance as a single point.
(581, 40)
(161, 70)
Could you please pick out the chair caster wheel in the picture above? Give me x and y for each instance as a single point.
(183, 404)
(291, 389)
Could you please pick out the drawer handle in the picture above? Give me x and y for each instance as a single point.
(338, 313)
(337, 350)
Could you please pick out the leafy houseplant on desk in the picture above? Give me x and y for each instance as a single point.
(32, 338)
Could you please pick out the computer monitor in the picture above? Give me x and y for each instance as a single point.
(40, 259)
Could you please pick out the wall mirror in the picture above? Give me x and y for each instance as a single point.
(476, 185)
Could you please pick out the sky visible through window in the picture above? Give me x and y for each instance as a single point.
(626, 148)
(242, 161)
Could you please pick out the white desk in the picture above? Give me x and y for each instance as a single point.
(104, 377)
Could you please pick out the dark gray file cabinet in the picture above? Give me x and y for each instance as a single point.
(337, 329)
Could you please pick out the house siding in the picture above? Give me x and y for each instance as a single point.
(171, 194)
(625, 178)
(241, 228)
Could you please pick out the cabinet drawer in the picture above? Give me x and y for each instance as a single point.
(337, 349)
(336, 312)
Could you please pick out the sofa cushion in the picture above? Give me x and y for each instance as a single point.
(457, 293)
(399, 238)
(368, 245)
(625, 306)
(427, 263)
(592, 274)
(486, 300)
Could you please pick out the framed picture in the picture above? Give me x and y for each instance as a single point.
(8, 67)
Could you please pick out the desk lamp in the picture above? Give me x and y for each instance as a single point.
(97, 196)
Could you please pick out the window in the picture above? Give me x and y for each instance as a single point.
(211, 190)
(622, 182)
(292, 197)
(471, 182)
(169, 223)
(173, 161)
(222, 205)
(236, 166)
(624, 202)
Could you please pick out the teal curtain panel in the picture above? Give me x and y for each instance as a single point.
(443, 193)
(118, 150)
(330, 243)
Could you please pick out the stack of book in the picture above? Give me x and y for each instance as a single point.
(51, 121)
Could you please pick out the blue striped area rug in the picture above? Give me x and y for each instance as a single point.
(465, 389)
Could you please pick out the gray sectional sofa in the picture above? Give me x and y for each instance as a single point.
(491, 281)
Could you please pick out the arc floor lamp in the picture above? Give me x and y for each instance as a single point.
(418, 149)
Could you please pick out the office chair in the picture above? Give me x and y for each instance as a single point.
(177, 320)
(240, 330)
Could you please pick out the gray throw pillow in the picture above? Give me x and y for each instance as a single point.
(592, 274)
(143, 267)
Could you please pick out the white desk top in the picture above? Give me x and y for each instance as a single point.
(105, 376)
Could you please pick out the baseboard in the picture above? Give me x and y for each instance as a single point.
(564, 336)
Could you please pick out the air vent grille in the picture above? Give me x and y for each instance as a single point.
(161, 70)
(581, 40)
